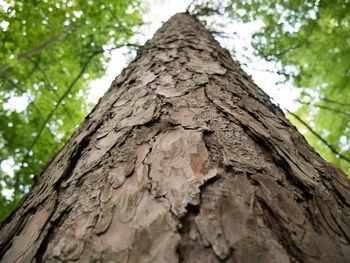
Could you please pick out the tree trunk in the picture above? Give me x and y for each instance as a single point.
(184, 159)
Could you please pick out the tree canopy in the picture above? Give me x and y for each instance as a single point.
(310, 43)
(51, 50)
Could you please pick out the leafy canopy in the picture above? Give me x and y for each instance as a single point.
(310, 41)
(51, 50)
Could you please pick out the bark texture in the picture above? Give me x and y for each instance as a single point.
(184, 159)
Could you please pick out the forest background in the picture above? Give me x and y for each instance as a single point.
(55, 52)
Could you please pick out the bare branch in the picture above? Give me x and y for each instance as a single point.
(268, 70)
(269, 57)
(189, 6)
(225, 34)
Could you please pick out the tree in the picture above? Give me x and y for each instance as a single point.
(309, 41)
(183, 159)
(51, 50)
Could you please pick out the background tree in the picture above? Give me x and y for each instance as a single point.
(50, 51)
(184, 159)
(310, 43)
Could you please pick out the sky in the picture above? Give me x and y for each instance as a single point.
(160, 11)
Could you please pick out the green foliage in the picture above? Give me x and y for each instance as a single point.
(50, 51)
(310, 41)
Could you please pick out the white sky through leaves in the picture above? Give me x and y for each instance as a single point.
(159, 12)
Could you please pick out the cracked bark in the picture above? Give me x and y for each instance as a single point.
(184, 159)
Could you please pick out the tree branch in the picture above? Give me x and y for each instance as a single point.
(189, 6)
(328, 100)
(39, 48)
(126, 31)
(268, 70)
(46, 79)
(336, 102)
(325, 107)
(268, 58)
(37, 110)
(319, 137)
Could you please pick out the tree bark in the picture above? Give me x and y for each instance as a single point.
(184, 159)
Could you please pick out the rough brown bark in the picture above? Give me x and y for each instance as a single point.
(184, 159)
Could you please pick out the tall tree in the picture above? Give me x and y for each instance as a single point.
(184, 159)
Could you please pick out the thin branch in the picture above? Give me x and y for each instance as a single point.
(267, 57)
(126, 31)
(248, 59)
(189, 6)
(225, 34)
(328, 100)
(33, 51)
(37, 110)
(319, 137)
(325, 107)
(336, 102)
(39, 48)
(6, 78)
(268, 70)
(54, 91)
